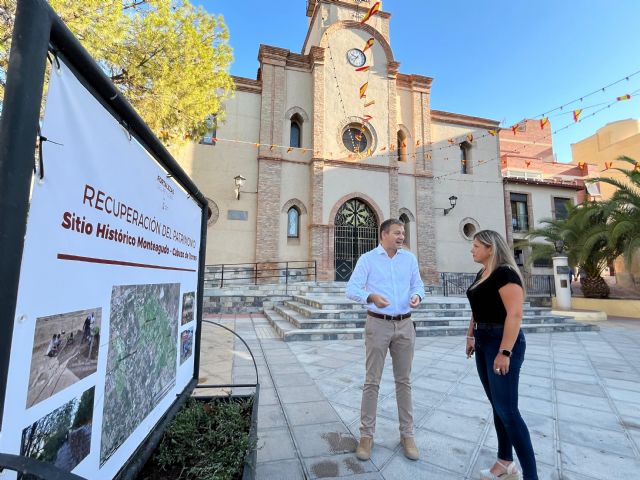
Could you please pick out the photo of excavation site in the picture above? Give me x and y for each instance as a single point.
(61, 438)
(142, 358)
(65, 350)
(188, 302)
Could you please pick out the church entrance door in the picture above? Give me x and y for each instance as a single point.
(356, 232)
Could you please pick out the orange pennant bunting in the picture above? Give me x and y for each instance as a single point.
(363, 89)
(514, 128)
(451, 141)
(272, 148)
(367, 118)
(368, 45)
(493, 133)
(636, 168)
(608, 165)
(544, 121)
(623, 97)
(256, 145)
(528, 162)
(290, 149)
(363, 69)
(576, 114)
(368, 104)
(581, 165)
(383, 148)
(372, 11)
(418, 143)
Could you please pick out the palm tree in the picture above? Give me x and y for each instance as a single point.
(624, 205)
(586, 243)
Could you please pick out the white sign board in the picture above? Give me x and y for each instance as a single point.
(105, 319)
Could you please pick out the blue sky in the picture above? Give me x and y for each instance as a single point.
(504, 60)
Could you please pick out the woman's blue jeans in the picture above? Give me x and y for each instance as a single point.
(502, 392)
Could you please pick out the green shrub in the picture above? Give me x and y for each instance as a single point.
(207, 441)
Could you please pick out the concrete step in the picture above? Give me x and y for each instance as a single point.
(303, 322)
(289, 333)
(312, 312)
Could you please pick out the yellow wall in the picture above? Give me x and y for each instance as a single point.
(612, 307)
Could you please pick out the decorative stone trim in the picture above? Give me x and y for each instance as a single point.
(351, 25)
(247, 85)
(466, 120)
(362, 196)
(468, 227)
(215, 212)
(293, 110)
(408, 213)
(294, 202)
(419, 83)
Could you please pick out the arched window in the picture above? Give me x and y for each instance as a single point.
(402, 146)
(293, 223)
(407, 229)
(295, 136)
(465, 148)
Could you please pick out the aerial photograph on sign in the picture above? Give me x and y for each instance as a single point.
(62, 437)
(188, 301)
(65, 350)
(141, 363)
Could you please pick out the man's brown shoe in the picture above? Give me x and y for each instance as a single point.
(363, 452)
(409, 447)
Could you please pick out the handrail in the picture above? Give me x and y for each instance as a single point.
(457, 283)
(232, 272)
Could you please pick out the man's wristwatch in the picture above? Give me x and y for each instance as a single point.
(505, 352)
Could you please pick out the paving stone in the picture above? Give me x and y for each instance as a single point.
(602, 439)
(348, 415)
(579, 387)
(585, 401)
(597, 464)
(400, 468)
(479, 408)
(275, 445)
(309, 393)
(310, 413)
(293, 379)
(280, 470)
(451, 454)
(337, 466)
(324, 439)
(270, 416)
(596, 418)
(456, 425)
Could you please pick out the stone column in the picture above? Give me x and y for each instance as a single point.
(392, 72)
(319, 247)
(425, 213)
(273, 62)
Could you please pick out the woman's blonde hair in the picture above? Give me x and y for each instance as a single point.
(501, 254)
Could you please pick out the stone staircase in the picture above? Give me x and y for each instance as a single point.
(322, 312)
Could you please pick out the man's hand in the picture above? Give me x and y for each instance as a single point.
(378, 300)
(415, 301)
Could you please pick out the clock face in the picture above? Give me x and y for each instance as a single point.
(356, 57)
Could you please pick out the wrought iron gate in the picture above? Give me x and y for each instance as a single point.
(356, 233)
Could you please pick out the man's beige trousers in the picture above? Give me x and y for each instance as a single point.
(399, 338)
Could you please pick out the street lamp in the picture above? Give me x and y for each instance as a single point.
(452, 200)
(239, 181)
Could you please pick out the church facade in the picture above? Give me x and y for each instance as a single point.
(327, 143)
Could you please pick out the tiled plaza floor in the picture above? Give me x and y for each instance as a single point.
(579, 394)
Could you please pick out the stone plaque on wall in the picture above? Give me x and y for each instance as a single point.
(238, 215)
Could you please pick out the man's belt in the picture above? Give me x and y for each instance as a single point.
(382, 316)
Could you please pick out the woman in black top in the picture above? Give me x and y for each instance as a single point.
(496, 299)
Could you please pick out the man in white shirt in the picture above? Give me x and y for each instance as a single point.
(387, 279)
